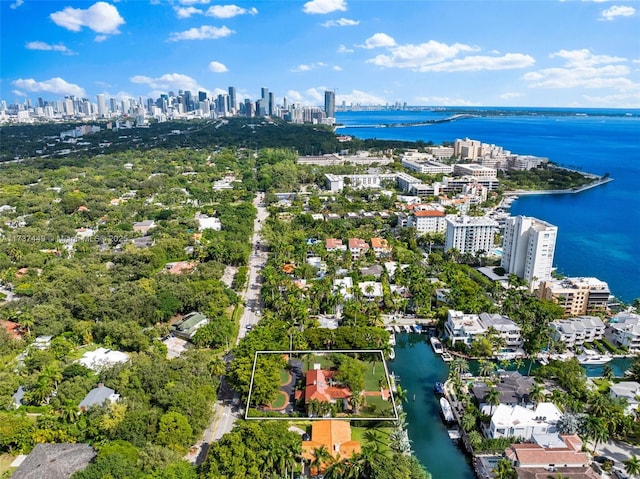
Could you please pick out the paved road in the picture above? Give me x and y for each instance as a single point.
(225, 414)
(257, 261)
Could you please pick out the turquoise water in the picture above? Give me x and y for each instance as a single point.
(599, 229)
(419, 369)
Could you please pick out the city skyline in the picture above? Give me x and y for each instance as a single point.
(436, 53)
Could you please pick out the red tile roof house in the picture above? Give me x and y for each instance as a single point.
(357, 247)
(380, 247)
(320, 386)
(333, 244)
(563, 454)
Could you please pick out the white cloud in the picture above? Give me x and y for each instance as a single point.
(47, 47)
(617, 11)
(186, 12)
(476, 63)
(101, 17)
(443, 100)
(218, 67)
(168, 81)
(324, 6)
(194, 2)
(343, 49)
(205, 32)
(56, 85)
(311, 96)
(305, 67)
(583, 69)
(378, 40)
(18, 93)
(337, 68)
(341, 22)
(620, 100)
(584, 58)
(229, 11)
(416, 56)
(100, 38)
(16, 4)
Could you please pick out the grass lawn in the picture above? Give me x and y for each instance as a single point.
(382, 407)
(309, 359)
(375, 371)
(284, 377)
(280, 401)
(382, 433)
(5, 462)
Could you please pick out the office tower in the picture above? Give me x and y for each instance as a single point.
(470, 234)
(285, 105)
(330, 103)
(528, 246)
(102, 105)
(40, 102)
(263, 108)
(202, 95)
(272, 104)
(114, 105)
(249, 109)
(68, 106)
(223, 105)
(188, 101)
(232, 99)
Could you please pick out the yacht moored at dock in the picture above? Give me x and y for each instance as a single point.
(438, 388)
(447, 411)
(591, 357)
(436, 345)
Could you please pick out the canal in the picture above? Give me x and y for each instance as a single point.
(418, 368)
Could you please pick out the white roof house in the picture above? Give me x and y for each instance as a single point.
(629, 390)
(344, 287)
(206, 222)
(626, 330)
(102, 358)
(520, 422)
(371, 289)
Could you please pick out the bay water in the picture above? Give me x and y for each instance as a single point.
(598, 229)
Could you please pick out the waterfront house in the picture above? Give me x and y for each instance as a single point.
(626, 331)
(335, 436)
(320, 386)
(513, 390)
(577, 331)
(548, 451)
(466, 328)
(523, 423)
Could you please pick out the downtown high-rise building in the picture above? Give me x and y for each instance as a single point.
(233, 105)
(528, 246)
(330, 103)
(102, 105)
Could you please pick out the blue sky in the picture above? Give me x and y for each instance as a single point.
(432, 52)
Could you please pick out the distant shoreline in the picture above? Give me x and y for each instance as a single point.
(600, 182)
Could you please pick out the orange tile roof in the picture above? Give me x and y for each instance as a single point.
(332, 243)
(335, 436)
(535, 455)
(379, 243)
(11, 328)
(428, 213)
(357, 243)
(317, 387)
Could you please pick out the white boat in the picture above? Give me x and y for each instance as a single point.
(436, 345)
(591, 357)
(406, 328)
(392, 354)
(447, 411)
(397, 328)
(446, 357)
(392, 339)
(417, 328)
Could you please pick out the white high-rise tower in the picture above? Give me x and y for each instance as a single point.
(102, 105)
(528, 247)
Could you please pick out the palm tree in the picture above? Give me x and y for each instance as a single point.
(607, 372)
(460, 366)
(632, 465)
(401, 394)
(321, 457)
(536, 394)
(486, 368)
(492, 398)
(599, 404)
(596, 430)
(468, 421)
(69, 412)
(504, 470)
